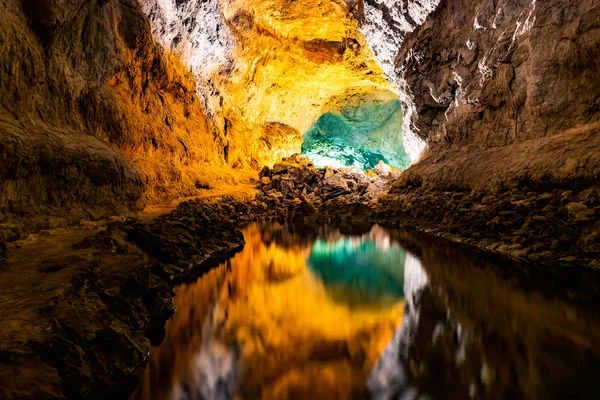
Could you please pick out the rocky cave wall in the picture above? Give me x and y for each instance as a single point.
(273, 67)
(358, 136)
(112, 104)
(94, 112)
(504, 93)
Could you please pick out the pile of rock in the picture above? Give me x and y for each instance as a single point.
(297, 178)
(554, 227)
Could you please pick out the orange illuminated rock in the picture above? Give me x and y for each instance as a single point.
(293, 62)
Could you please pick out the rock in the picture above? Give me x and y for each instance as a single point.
(185, 236)
(296, 158)
(588, 194)
(279, 169)
(382, 169)
(287, 187)
(202, 185)
(488, 199)
(579, 211)
(265, 172)
(2, 254)
(394, 175)
(328, 172)
(333, 186)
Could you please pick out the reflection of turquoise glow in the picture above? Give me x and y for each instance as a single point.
(357, 271)
(358, 136)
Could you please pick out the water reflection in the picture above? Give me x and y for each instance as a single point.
(291, 316)
(321, 315)
(359, 270)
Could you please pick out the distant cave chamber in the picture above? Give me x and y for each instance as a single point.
(360, 136)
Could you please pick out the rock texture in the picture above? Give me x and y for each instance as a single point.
(385, 24)
(197, 32)
(505, 96)
(295, 190)
(267, 69)
(500, 91)
(100, 302)
(553, 227)
(95, 115)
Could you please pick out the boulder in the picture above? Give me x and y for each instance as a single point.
(334, 186)
(382, 169)
(287, 187)
(579, 211)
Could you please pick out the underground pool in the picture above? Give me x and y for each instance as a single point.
(304, 312)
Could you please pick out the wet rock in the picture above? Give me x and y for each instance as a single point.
(546, 229)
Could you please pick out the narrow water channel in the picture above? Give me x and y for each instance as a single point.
(320, 314)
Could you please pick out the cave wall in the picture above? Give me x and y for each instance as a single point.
(93, 111)
(273, 66)
(502, 92)
(108, 104)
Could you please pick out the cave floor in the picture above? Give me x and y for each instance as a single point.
(65, 303)
(246, 190)
(38, 280)
(82, 305)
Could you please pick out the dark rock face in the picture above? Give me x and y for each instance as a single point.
(500, 91)
(505, 94)
(556, 227)
(100, 303)
(497, 73)
(2, 253)
(193, 237)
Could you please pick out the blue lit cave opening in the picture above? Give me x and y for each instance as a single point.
(358, 136)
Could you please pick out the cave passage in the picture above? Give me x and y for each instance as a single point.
(359, 135)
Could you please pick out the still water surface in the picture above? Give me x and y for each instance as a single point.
(316, 314)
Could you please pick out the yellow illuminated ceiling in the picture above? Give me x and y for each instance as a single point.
(294, 60)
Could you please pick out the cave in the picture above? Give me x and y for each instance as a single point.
(282, 199)
(361, 136)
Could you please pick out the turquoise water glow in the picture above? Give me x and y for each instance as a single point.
(358, 136)
(358, 270)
